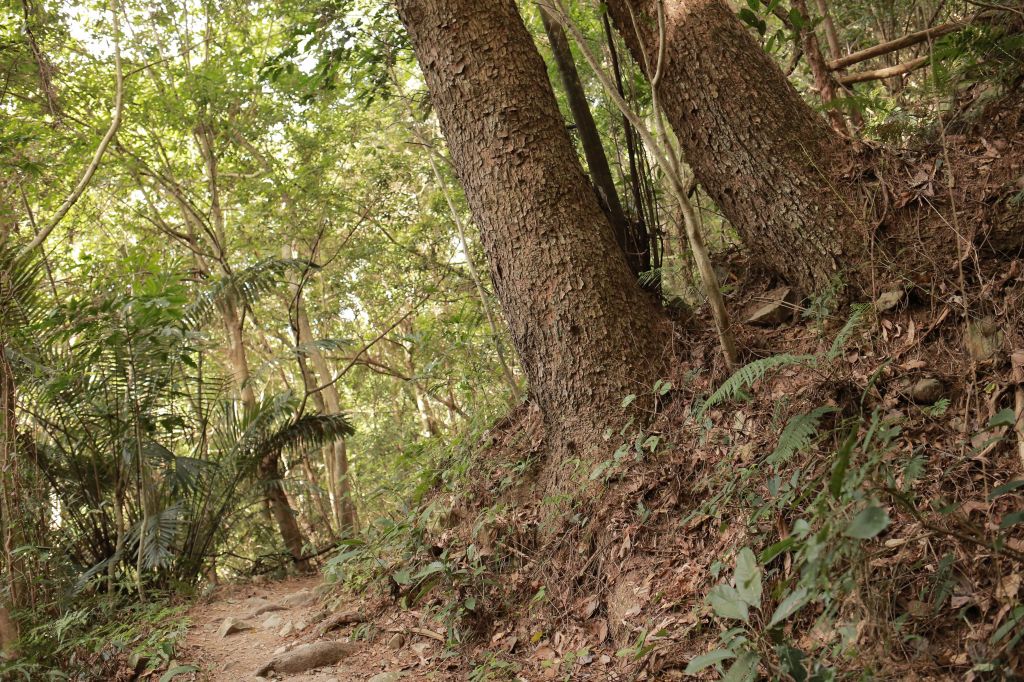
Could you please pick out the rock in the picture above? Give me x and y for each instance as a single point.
(267, 608)
(301, 625)
(273, 622)
(888, 300)
(983, 339)
(397, 641)
(778, 310)
(288, 630)
(384, 677)
(927, 391)
(232, 625)
(303, 597)
(307, 657)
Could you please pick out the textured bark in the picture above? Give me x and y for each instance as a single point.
(585, 332)
(767, 159)
(590, 138)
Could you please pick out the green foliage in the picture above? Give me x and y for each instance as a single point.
(798, 434)
(745, 377)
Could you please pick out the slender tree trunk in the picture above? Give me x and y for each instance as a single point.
(593, 148)
(269, 468)
(8, 500)
(336, 455)
(585, 332)
(767, 159)
(341, 492)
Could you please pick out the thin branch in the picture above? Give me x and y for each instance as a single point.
(90, 170)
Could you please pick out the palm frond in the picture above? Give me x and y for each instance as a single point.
(247, 285)
(310, 431)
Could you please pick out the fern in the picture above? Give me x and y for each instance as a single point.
(799, 432)
(839, 343)
(748, 375)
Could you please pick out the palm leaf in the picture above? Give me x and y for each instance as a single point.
(246, 285)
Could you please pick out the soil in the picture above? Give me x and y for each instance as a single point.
(240, 655)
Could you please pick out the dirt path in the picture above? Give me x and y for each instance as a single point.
(279, 619)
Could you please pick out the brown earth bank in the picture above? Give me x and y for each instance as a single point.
(908, 406)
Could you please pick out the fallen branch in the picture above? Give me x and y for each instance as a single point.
(908, 40)
(887, 72)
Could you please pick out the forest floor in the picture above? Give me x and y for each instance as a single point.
(278, 620)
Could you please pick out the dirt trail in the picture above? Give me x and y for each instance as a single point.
(281, 617)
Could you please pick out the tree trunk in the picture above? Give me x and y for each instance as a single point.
(9, 522)
(269, 468)
(329, 402)
(590, 138)
(767, 159)
(585, 332)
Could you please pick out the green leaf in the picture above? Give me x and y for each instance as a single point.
(777, 549)
(431, 568)
(700, 662)
(1011, 520)
(1005, 417)
(728, 603)
(796, 600)
(1005, 488)
(600, 469)
(748, 577)
(628, 400)
(867, 524)
(178, 670)
(842, 463)
(402, 577)
(744, 669)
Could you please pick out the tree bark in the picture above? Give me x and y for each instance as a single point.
(767, 159)
(585, 332)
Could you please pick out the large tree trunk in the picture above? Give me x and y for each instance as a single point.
(585, 332)
(769, 161)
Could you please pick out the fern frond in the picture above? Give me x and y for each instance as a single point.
(748, 375)
(856, 318)
(797, 435)
(248, 285)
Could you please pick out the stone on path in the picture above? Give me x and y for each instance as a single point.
(384, 677)
(232, 625)
(307, 657)
(273, 622)
(303, 597)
